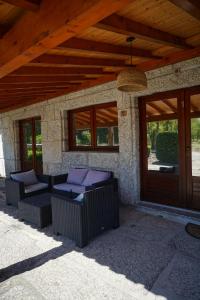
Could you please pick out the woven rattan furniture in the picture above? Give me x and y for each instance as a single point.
(17, 190)
(84, 217)
(36, 209)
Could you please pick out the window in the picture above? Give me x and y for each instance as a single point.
(94, 128)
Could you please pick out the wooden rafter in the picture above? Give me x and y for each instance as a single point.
(25, 4)
(50, 26)
(37, 79)
(170, 59)
(129, 27)
(48, 71)
(192, 7)
(156, 107)
(60, 85)
(168, 104)
(89, 45)
(74, 60)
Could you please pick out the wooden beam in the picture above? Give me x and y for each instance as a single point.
(129, 27)
(25, 4)
(36, 85)
(192, 7)
(37, 79)
(48, 71)
(94, 46)
(51, 26)
(77, 61)
(170, 59)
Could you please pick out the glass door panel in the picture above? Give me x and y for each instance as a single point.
(31, 144)
(193, 151)
(38, 145)
(27, 145)
(161, 149)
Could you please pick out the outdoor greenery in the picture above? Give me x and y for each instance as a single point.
(83, 137)
(167, 147)
(162, 139)
(195, 132)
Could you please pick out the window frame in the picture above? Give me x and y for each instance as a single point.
(93, 147)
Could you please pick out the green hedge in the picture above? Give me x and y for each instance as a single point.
(167, 147)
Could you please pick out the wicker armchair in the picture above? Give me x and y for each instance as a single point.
(17, 190)
(84, 217)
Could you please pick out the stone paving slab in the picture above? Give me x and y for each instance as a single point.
(130, 263)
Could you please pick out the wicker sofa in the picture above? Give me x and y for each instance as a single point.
(21, 185)
(84, 207)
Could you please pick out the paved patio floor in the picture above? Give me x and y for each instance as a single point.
(148, 257)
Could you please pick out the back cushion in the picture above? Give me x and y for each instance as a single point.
(94, 176)
(27, 178)
(76, 176)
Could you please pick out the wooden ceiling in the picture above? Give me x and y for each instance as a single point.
(50, 48)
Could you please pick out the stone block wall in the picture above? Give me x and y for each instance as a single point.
(56, 158)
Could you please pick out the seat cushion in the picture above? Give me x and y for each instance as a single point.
(76, 175)
(68, 187)
(35, 187)
(94, 176)
(28, 178)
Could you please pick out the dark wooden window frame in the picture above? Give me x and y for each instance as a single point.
(93, 147)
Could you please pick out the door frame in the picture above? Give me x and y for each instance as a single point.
(188, 93)
(184, 129)
(21, 139)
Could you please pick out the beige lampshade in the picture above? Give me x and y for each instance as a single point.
(131, 80)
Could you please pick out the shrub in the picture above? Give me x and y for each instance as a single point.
(167, 147)
(148, 150)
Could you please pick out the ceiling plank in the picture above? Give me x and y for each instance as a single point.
(25, 4)
(88, 84)
(37, 79)
(51, 26)
(192, 7)
(48, 71)
(77, 61)
(94, 46)
(122, 25)
(170, 59)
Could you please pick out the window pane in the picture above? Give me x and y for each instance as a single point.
(82, 128)
(195, 133)
(38, 139)
(107, 126)
(27, 141)
(162, 135)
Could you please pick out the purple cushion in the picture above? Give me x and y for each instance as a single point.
(28, 177)
(94, 176)
(76, 176)
(67, 187)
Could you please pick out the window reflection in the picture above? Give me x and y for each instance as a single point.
(82, 127)
(162, 135)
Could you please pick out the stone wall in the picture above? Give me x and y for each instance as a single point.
(56, 158)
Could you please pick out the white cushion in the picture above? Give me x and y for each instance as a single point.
(36, 187)
(67, 187)
(28, 178)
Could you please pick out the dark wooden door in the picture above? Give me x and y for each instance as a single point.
(161, 148)
(30, 144)
(170, 148)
